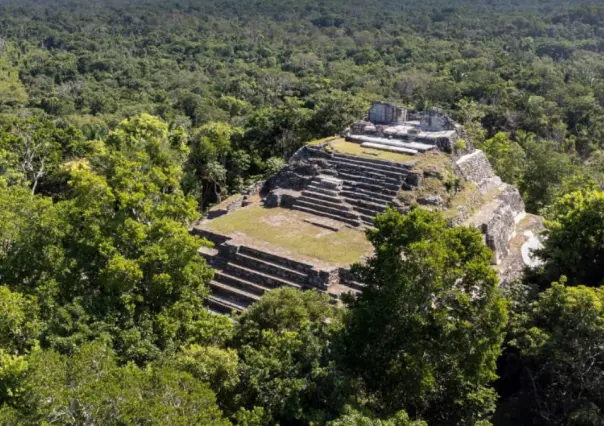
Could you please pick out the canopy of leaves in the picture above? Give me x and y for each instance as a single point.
(426, 331)
(574, 238)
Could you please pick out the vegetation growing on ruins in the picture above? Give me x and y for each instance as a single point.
(288, 229)
(121, 121)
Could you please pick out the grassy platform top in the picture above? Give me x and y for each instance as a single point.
(286, 232)
(342, 146)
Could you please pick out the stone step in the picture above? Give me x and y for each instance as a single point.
(322, 202)
(221, 306)
(390, 148)
(362, 204)
(375, 162)
(234, 295)
(279, 260)
(239, 283)
(378, 175)
(361, 194)
(366, 212)
(342, 165)
(355, 285)
(270, 268)
(351, 222)
(366, 219)
(348, 186)
(330, 183)
(342, 210)
(257, 277)
(370, 165)
(329, 172)
(320, 190)
(374, 180)
(318, 195)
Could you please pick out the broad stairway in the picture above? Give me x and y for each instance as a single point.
(242, 278)
(364, 188)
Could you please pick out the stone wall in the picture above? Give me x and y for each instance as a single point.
(434, 120)
(499, 230)
(295, 176)
(476, 168)
(384, 113)
(511, 196)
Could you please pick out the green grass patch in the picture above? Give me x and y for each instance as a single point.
(342, 146)
(469, 197)
(320, 141)
(287, 229)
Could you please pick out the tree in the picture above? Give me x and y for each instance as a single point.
(507, 157)
(19, 323)
(470, 115)
(546, 168)
(90, 388)
(283, 343)
(116, 254)
(205, 167)
(353, 417)
(274, 166)
(32, 150)
(574, 238)
(560, 341)
(335, 111)
(426, 331)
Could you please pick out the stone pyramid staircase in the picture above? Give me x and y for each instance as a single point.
(323, 198)
(243, 275)
(365, 187)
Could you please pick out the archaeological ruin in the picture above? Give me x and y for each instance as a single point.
(304, 227)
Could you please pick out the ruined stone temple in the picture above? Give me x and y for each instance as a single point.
(304, 227)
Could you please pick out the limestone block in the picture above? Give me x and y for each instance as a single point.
(511, 196)
(322, 279)
(273, 199)
(288, 199)
(414, 179)
(499, 230)
(434, 120)
(431, 200)
(475, 167)
(281, 198)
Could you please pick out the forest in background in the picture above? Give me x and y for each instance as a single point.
(120, 122)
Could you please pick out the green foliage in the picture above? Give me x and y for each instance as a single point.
(574, 238)
(91, 388)
(506, 157)
(273, 166)
(426, 331)
(111, 130)
(560, 341)
(12, 91)
(19, 324)
(32, 150)
(210, 364)
(116, 252)
(544, 175)
(284, 346)
(13, 370)
(352, 417)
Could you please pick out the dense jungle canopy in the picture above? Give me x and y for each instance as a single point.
(122, 121)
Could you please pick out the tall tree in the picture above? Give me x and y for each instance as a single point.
(574, 238)
(426, 331)
(284, 345)
(560, 341)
